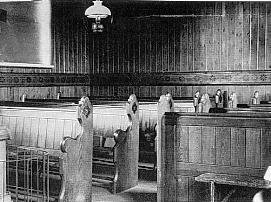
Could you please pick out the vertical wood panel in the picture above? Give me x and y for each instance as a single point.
(27, 131)
(208, 145)
(50, 137)
(171, 45)
(184, 44)
(195, 144)
(59, 130)
(12, 128)
(19, 130)
(266, 148)
(126, 51)
(68, 128)
(238, 60)
(183, 144)
(42, 132)
(246, 36)
(190, 41)
(262, 35)
(34, 132)
(177, 48)
(253, 148)
(223, 148)
(210, 54)
(231, 29)
(268, 45)
(254, 34)
(224, 40)
(238, 147)
(217, 36)
(198, 45)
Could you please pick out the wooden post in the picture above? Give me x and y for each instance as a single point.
(165, 104)
(4, 136)
(77, 158)
(127, 150)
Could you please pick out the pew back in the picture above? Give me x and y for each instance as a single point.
(214, 143)
(45, 127)
(39, 127)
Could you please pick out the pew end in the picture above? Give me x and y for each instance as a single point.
(76, 160)
(126, 150)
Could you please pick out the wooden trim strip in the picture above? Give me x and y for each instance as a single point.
(193, 169)
(45, 79)
(251, 77)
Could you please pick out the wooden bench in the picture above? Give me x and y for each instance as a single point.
(236, 180)
(233, 147)
(44, 127)
(104, 127)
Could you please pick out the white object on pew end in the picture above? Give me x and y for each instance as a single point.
(267, 175)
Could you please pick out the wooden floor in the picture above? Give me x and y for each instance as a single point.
(145, 191)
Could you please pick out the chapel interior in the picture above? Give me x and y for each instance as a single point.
(135, 100)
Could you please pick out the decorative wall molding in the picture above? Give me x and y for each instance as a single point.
(42, 79)
(137, 79)
(250, 77)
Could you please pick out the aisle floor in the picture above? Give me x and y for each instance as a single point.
(145, 191)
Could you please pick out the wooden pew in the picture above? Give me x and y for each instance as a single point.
(113, 110)
(234, 148)
(45, 128)
(259, 108)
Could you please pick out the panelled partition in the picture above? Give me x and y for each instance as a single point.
(211, 143)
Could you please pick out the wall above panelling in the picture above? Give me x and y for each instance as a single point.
(206, 51)
(237, 40)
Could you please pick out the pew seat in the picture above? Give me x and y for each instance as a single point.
(235, 180)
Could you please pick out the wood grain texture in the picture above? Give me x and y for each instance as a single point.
(195, 144)
(219, 143)
(208, 138)
(223, 146)
(127, 153)
(77, 160)
(237, 39)
(253, 148)
(238, 147)
(165, 104)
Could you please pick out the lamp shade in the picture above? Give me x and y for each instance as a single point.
(97, 10)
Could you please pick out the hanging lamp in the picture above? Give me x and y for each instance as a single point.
(97, 12)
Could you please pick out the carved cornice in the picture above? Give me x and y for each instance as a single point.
(184, 79)
(42, 79)
(137, 79)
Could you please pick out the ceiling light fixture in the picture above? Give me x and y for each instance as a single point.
(97, 12)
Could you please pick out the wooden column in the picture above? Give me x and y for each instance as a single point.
(127, 150)
(77, 158)
(4, 136)
(165, 104)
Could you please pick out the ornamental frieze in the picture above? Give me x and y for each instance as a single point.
(44, 79)
(250, 77)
